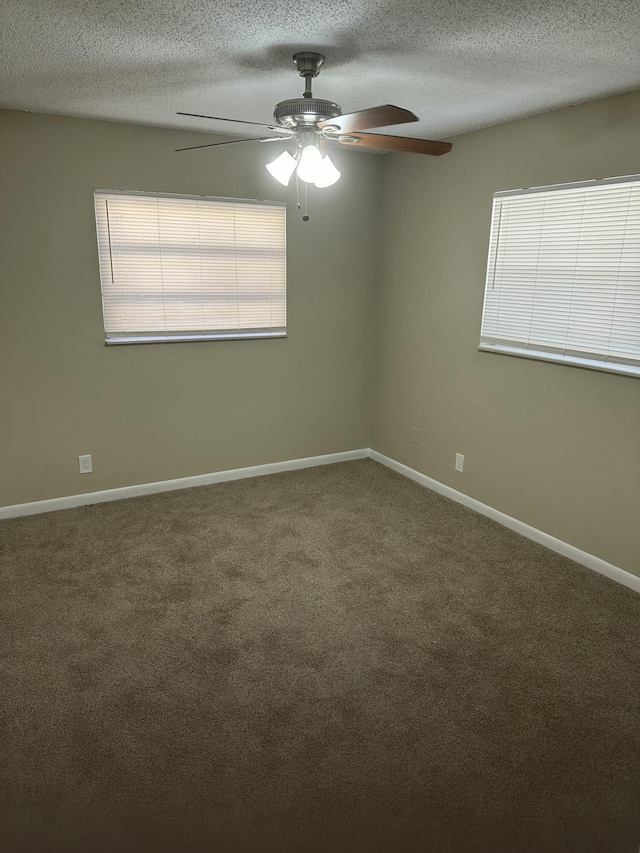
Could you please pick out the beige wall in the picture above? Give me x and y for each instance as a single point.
(160, 411)
(554, 446)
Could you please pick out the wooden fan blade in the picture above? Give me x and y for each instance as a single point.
(395, 143)
(230, 142)
(382, 116)
(235, 121)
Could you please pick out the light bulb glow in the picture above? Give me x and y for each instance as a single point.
(282, 168)
(326, 174)
(312, 167)
(309, 165)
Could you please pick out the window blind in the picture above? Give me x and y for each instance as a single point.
(190, 267)
(563, 275)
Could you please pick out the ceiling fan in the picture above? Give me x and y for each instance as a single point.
(310, 122)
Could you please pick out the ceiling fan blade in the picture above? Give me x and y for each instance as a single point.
(395, 143)
(231, 142)
(234, 120)
(382, 116)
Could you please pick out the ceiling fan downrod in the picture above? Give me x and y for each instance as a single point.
(305, 112)
(308, 64)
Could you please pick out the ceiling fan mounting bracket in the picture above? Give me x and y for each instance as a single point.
(308, 63)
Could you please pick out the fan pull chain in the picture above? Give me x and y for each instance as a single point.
(305, 218)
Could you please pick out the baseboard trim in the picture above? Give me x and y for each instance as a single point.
(70, 501)
(589, 560)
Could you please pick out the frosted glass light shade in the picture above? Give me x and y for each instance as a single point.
(282, 168)
(326, 173)
(309, 164)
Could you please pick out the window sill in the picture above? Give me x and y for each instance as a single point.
(181, 339)
(559, 358)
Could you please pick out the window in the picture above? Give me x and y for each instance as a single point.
(178, 268)
(563, 276)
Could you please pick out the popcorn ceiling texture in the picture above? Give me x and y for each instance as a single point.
(458, 64)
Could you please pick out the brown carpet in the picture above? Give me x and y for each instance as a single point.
(333, 659)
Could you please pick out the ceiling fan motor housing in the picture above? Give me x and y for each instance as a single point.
(304, 112)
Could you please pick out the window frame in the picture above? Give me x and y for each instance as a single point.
(240, 332)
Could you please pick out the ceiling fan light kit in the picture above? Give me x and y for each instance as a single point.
(309, 121)
(308, 163)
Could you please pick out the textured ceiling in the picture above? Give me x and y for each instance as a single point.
(458, 64)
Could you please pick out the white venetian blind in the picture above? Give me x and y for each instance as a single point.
(190, 267)
(563, 275)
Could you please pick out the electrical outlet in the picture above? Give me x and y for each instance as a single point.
(415, 435)
(84, 464)
(459, 462)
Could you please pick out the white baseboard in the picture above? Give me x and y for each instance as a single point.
(70, 501)
(589, 560)
(582, 557)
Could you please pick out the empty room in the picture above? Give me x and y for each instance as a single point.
(319, 427)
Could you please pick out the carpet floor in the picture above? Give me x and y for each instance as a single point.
(332, 659)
